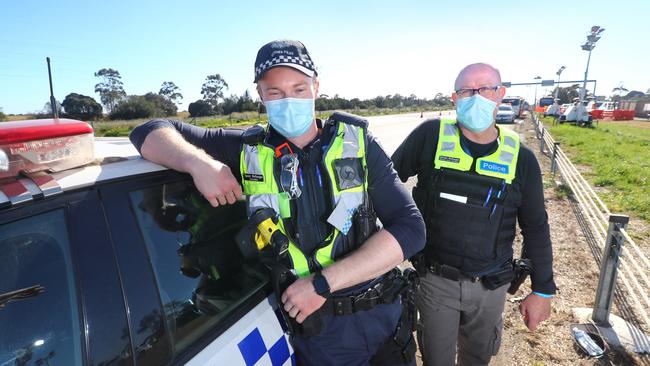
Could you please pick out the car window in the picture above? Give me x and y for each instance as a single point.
(39, 317)
(199, 269)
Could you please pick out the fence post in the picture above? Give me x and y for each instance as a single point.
(609, 269)
(554, 157)
(541, 142)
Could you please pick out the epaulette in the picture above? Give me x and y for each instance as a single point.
(254, 135)
(348, 118)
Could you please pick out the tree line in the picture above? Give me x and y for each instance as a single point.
(119, 105)
(164, 103)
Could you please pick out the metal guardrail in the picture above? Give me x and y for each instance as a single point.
(620, 257)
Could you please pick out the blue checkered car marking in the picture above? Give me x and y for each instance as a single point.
(252, 349)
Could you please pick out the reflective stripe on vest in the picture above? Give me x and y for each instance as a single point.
(500, 164)
(260, 185)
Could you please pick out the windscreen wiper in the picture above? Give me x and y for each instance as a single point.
(23, 293)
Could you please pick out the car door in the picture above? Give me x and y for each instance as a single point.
(187, 287)
(61, 301)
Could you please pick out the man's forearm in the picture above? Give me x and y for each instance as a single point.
(379, 254)
(167, 147)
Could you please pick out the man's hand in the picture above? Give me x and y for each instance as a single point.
(301, 300)
(215, 182)
(535, 309)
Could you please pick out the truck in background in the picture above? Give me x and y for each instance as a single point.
(517, 104)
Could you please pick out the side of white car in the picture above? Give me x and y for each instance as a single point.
(108, 258)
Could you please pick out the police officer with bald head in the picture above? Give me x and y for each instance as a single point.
(476, 182)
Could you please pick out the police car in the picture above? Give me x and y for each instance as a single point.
(108, 259)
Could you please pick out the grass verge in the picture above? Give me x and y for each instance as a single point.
(618, 155)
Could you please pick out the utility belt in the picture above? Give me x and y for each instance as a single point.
(450, 273)
(394, 284)
(504, 275)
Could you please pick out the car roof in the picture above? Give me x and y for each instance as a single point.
(115, 157)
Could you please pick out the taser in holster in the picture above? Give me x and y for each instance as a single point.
(260, 233)
(262, 238)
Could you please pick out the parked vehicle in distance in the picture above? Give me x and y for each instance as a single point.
(545, 101)
(505, 114)
(517, 104)
(564, 107)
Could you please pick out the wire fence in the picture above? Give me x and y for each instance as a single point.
(632, 298)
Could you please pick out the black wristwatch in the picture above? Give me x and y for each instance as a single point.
(321, 286)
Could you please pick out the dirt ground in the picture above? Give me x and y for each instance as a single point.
(576, 275)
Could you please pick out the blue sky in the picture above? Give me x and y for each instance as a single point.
(362, 48)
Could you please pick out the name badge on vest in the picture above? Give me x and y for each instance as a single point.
(449, 159)
(254, 177)
(349, 173)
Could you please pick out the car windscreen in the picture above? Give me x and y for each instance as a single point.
(511, 101)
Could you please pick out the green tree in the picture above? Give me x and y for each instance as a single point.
(82, 107)
(110, 88)
(144, 106)
(132, 107)
(212, 90)
(200, 108)
(440, 100)
(568, 94)
(323, 103)
(170, 91)
(247, 103)
(618, 91)
(379, 101)
(2, 116)
(164, 106)
(229, 104)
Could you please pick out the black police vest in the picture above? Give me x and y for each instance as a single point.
(470, 218)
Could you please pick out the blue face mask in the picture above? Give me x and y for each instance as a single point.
(291, 117)
(476, 113)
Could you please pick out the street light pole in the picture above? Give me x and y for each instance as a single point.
(535, 101)
(592, 38)
(558, 73)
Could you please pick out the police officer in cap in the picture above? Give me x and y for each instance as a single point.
(315, 175)
(475, 182)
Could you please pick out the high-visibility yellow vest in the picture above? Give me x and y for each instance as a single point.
(259, 181)
(500, 164)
